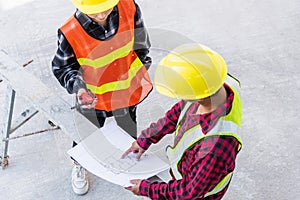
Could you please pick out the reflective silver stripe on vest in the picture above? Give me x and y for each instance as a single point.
(221, 185)
(230, 81)
(182, 114)
(175, 153)
(224, 126)
(194, 135)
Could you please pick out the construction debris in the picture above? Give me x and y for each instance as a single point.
(24, 65)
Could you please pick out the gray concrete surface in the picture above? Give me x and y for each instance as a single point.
(259, 41)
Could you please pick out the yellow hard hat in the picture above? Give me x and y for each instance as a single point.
(190, 72)
(94, 6)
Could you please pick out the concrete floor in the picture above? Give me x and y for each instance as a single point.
(259, 41)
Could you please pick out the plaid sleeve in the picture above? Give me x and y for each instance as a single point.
(203, 166)
(163, 126)
(65, 66)
(141, 39)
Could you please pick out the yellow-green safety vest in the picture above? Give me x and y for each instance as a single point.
(228, 125)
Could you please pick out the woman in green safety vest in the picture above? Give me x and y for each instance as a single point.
(205, 124)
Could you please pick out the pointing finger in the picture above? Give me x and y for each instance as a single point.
(139, 154)
(126, 153)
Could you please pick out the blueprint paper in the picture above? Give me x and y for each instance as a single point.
(100, 153)
(89, 163)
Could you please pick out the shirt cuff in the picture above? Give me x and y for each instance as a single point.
(143, 142)
(144, 188)
(78, 84)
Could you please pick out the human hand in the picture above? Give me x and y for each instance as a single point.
(135, 189)
(135, 148)
(86, 99)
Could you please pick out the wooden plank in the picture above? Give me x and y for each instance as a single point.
(44, 99)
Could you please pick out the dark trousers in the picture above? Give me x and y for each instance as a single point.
(125, 117)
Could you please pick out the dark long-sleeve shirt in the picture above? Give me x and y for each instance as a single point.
(64, 64)
(203, 165)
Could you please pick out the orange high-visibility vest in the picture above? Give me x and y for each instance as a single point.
(111, 68)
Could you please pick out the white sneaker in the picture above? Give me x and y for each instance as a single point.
(80, 181)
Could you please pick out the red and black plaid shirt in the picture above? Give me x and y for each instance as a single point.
(204, 165)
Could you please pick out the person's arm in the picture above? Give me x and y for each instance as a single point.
(155, 132)
(202, 171)
(141, 39)
(65, 66)
(162, 127)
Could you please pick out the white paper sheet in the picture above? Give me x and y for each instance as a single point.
(100, 154)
